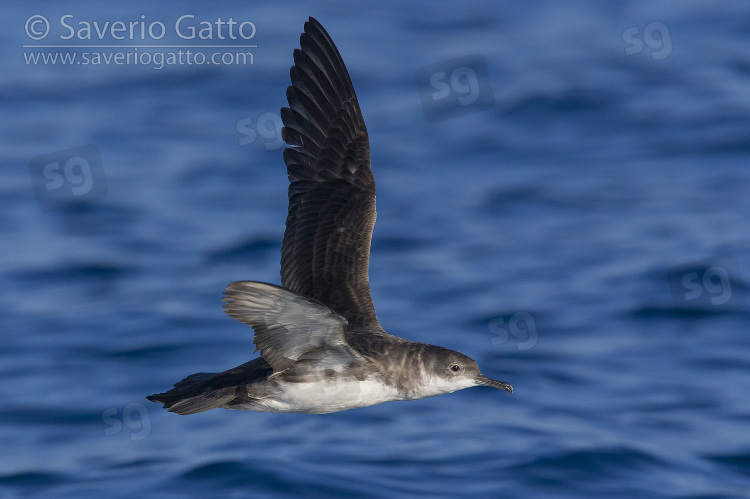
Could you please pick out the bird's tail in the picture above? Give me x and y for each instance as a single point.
(193, 394)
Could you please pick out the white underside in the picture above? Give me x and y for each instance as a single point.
(324, 397)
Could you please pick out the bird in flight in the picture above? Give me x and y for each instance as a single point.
(321, 345)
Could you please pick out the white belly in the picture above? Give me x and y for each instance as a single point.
(324, 397)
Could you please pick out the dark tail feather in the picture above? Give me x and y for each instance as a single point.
(191, 395)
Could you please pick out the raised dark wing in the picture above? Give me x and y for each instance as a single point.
(289, 327)
(326, 247)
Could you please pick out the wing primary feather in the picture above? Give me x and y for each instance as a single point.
(326, 248)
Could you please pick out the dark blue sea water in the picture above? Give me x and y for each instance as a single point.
(563, 195)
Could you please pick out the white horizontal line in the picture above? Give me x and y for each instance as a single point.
(139, 46)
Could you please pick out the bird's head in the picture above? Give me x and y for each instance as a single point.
(447, 371)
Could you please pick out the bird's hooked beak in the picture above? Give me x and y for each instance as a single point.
(481, 379)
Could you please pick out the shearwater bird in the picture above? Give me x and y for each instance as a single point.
(321, 345)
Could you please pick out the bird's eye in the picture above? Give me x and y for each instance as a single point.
(455, 368)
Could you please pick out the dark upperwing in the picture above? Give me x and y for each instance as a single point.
(326, 248)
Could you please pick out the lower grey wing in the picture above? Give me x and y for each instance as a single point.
(289, 328)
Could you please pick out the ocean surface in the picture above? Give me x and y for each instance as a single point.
(563, 195)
